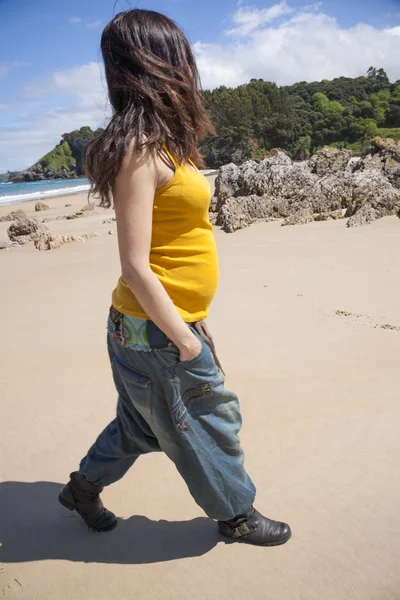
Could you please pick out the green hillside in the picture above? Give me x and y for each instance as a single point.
(254, 118)
(68, 154)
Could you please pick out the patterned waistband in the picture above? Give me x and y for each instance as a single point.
(129, 331)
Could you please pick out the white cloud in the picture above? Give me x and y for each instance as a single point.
(94, 25)
(247, 18)
(305, 45)
(3, 71)
(74, 20)
(84, 82)
(311, 7)
(82, 87)
(4, 106)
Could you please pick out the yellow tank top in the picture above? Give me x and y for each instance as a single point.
(183, 252)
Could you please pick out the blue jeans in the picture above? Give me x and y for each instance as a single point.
(182, 409)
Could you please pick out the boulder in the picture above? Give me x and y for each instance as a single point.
(226, 184)
(14, 215)
(382, 155)
(366, 214)
(18, 214)
(23, 239)
(5, 245)
(301, 217)
(240, 212)
(371, 189)
(332, 215)
(39, 206)
(388, 146)
(393, 176)
(329, 160)
(24, 230)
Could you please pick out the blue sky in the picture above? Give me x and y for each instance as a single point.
(50, 81)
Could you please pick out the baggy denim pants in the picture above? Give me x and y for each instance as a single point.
(182, 409)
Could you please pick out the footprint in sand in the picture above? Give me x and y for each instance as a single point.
(345, 313)
(11, 587)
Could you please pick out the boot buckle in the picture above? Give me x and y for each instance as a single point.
(240, 531)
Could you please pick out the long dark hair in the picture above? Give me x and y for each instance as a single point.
(154, 89)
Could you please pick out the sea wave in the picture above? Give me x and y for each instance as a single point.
(44, 194)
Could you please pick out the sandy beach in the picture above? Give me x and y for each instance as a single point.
(307, 323)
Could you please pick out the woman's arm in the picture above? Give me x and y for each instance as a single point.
(133, 193)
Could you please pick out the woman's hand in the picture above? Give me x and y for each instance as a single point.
(190, 348)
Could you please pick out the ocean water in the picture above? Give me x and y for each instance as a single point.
(40, 190)
(10, 193)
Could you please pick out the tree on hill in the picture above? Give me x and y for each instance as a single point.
(345, 112)
(68, 154)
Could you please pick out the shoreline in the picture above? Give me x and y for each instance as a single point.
(41, 196)
(71, 198)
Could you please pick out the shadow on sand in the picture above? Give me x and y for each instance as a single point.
(33, 526)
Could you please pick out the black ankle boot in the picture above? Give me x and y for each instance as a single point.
(83, 496)
(253, 528)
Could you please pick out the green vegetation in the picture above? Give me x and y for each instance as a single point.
(68, 154)
(59, 158)
(386, 132)
(252, 119)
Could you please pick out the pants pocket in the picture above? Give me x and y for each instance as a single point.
(136, 383)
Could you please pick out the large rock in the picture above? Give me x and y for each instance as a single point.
(393, 176)
(226, 184)
(39, 206)
(327, 187)
(24, 230)
(388, 146)
(300, 217)
(372, 190)
(267, 177)
(240, 212)
(329, 160)
(335, 192)
(366, 214)
(382, 155)
(14, 215)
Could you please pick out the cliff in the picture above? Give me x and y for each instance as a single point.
(65, 161)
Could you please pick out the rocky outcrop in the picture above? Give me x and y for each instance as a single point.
(65, 161)
(39, 206)
(24, 230)
(39, 173)
(365, 215)
(329, 160)
(226, 184)
(14, 215)
(329, 186)
(51, 241)
(382, 155)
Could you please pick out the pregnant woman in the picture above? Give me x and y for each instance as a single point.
(171, 394)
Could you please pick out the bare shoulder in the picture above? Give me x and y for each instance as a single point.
(135, 159)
